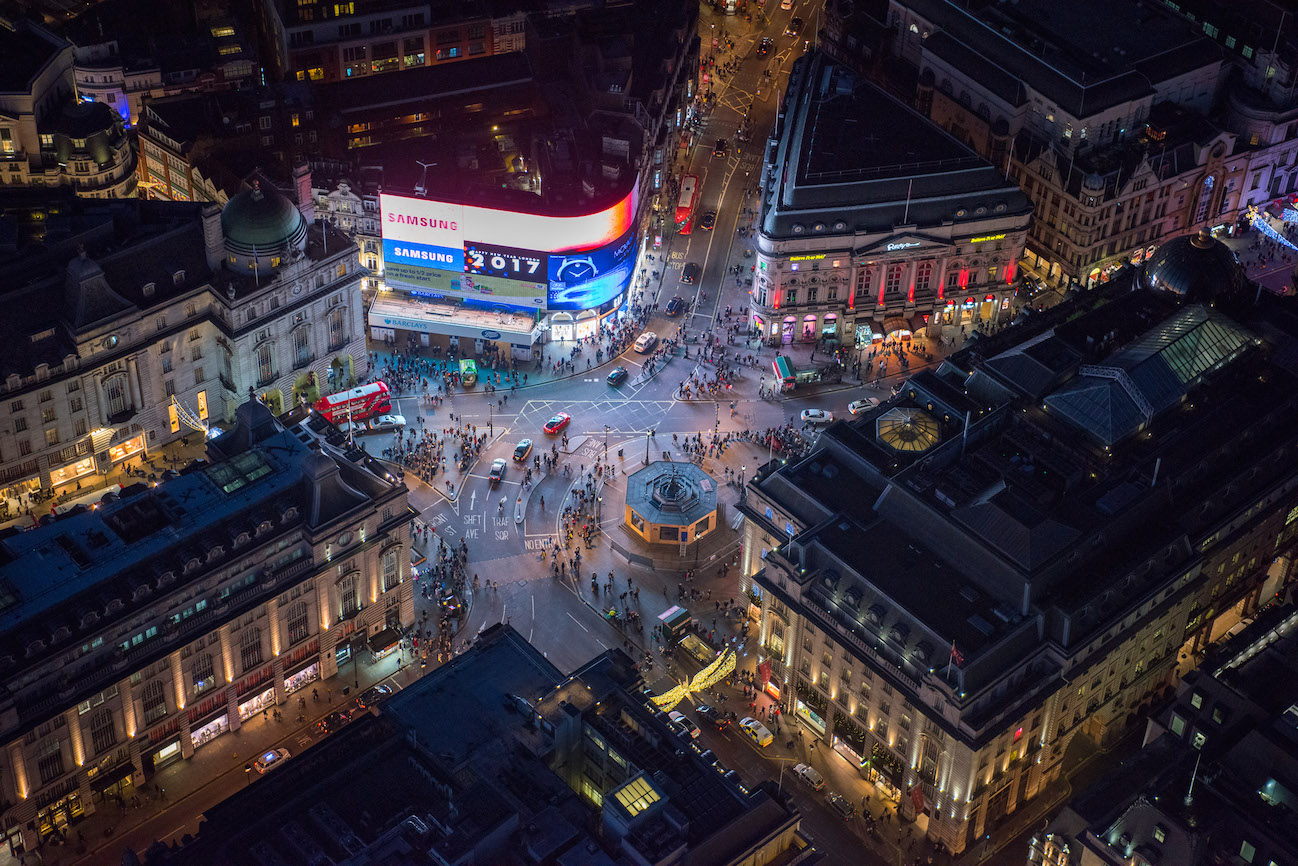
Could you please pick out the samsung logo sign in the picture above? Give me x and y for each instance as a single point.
(422, 222)
(903, 245)
(425, 255)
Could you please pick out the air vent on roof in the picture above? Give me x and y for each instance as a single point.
(982, 625)
(969, 593)
(1003, 613)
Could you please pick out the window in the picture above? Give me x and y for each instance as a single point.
(198, 375)
(347, 596)
(102, 735)
(302, 347)
(166, 364)
(923, 276)
(391, 569)
(204, 674)
(48, 416)
(298, 629)
(46, 396)
(250, 648)
(169, 387)
(79, 426)
(892, 284)
(16, 406)
(115, 391)
(154, 699)
(1160, 833)
(20, 424)
(336, 338)
(264, 374)
(50, 765)
(1247, 851)
(51, 437)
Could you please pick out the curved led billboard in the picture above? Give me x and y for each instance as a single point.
(509, 257)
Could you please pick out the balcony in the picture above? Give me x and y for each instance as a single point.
(267, 381)
(304, 361)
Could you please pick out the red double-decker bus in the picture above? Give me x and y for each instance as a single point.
(358, 404)
(686, 203)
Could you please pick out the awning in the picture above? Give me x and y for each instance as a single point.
(783, 369)
(384, 640)
(106, 779)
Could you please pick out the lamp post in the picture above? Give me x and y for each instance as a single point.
(422, 189)
(606, 440)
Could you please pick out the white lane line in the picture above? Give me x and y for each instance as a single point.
(583, 628)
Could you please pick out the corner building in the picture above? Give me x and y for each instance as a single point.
(874, 221)
(136, 633)
(1014, 557)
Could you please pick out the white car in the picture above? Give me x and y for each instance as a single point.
(388, 422)
(271, 760)
(856, 407)
(816, 416)
(809, 775)
(786, 4)
(680, 719)
(646, 341)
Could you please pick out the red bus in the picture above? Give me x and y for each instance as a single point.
(358, 404)
(686, 203)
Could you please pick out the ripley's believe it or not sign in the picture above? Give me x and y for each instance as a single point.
(508, 257)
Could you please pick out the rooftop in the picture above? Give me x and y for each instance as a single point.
(26, 48)
(832, 171)
(1055, 49)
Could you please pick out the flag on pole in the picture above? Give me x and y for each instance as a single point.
(956, 655)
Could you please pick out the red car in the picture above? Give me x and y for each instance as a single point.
(557, 423)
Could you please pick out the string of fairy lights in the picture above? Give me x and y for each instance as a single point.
(722, 666)
(1262, 224)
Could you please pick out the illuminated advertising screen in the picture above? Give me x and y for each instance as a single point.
(512, 258)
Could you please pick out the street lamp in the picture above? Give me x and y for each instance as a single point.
(606, 440)
(422, 189)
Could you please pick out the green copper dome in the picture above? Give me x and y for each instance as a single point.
(262, 222)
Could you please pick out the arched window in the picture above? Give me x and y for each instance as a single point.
(102, 735)
(1205, 199)
(204, 673)
(298, 627)
(923, 276)
(154, 699)
(250, 648)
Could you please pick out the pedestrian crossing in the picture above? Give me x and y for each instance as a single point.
(621, 416)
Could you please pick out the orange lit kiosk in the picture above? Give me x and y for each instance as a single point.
(671, 503)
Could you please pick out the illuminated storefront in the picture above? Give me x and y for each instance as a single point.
(71, 472)
(127, 449)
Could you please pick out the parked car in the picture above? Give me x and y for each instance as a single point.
(691, 273)
(708, 220)
(714, 717)
(522, 449)
(497, 471)
(722, 148)
(816, 416)
(272, 760)
(388, 422)
(617, 376)
(681, 719)
(786, 5)
(764, 47)
(856, 407)
(809, 775)
(756, 731)
(557, 423)
(371, 696)
(644, 343)
(675, 306)
(843, 806)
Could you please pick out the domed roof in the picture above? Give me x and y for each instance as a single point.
(261, 219)
(1197, 268)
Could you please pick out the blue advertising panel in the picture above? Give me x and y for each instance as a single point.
(585, 280)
